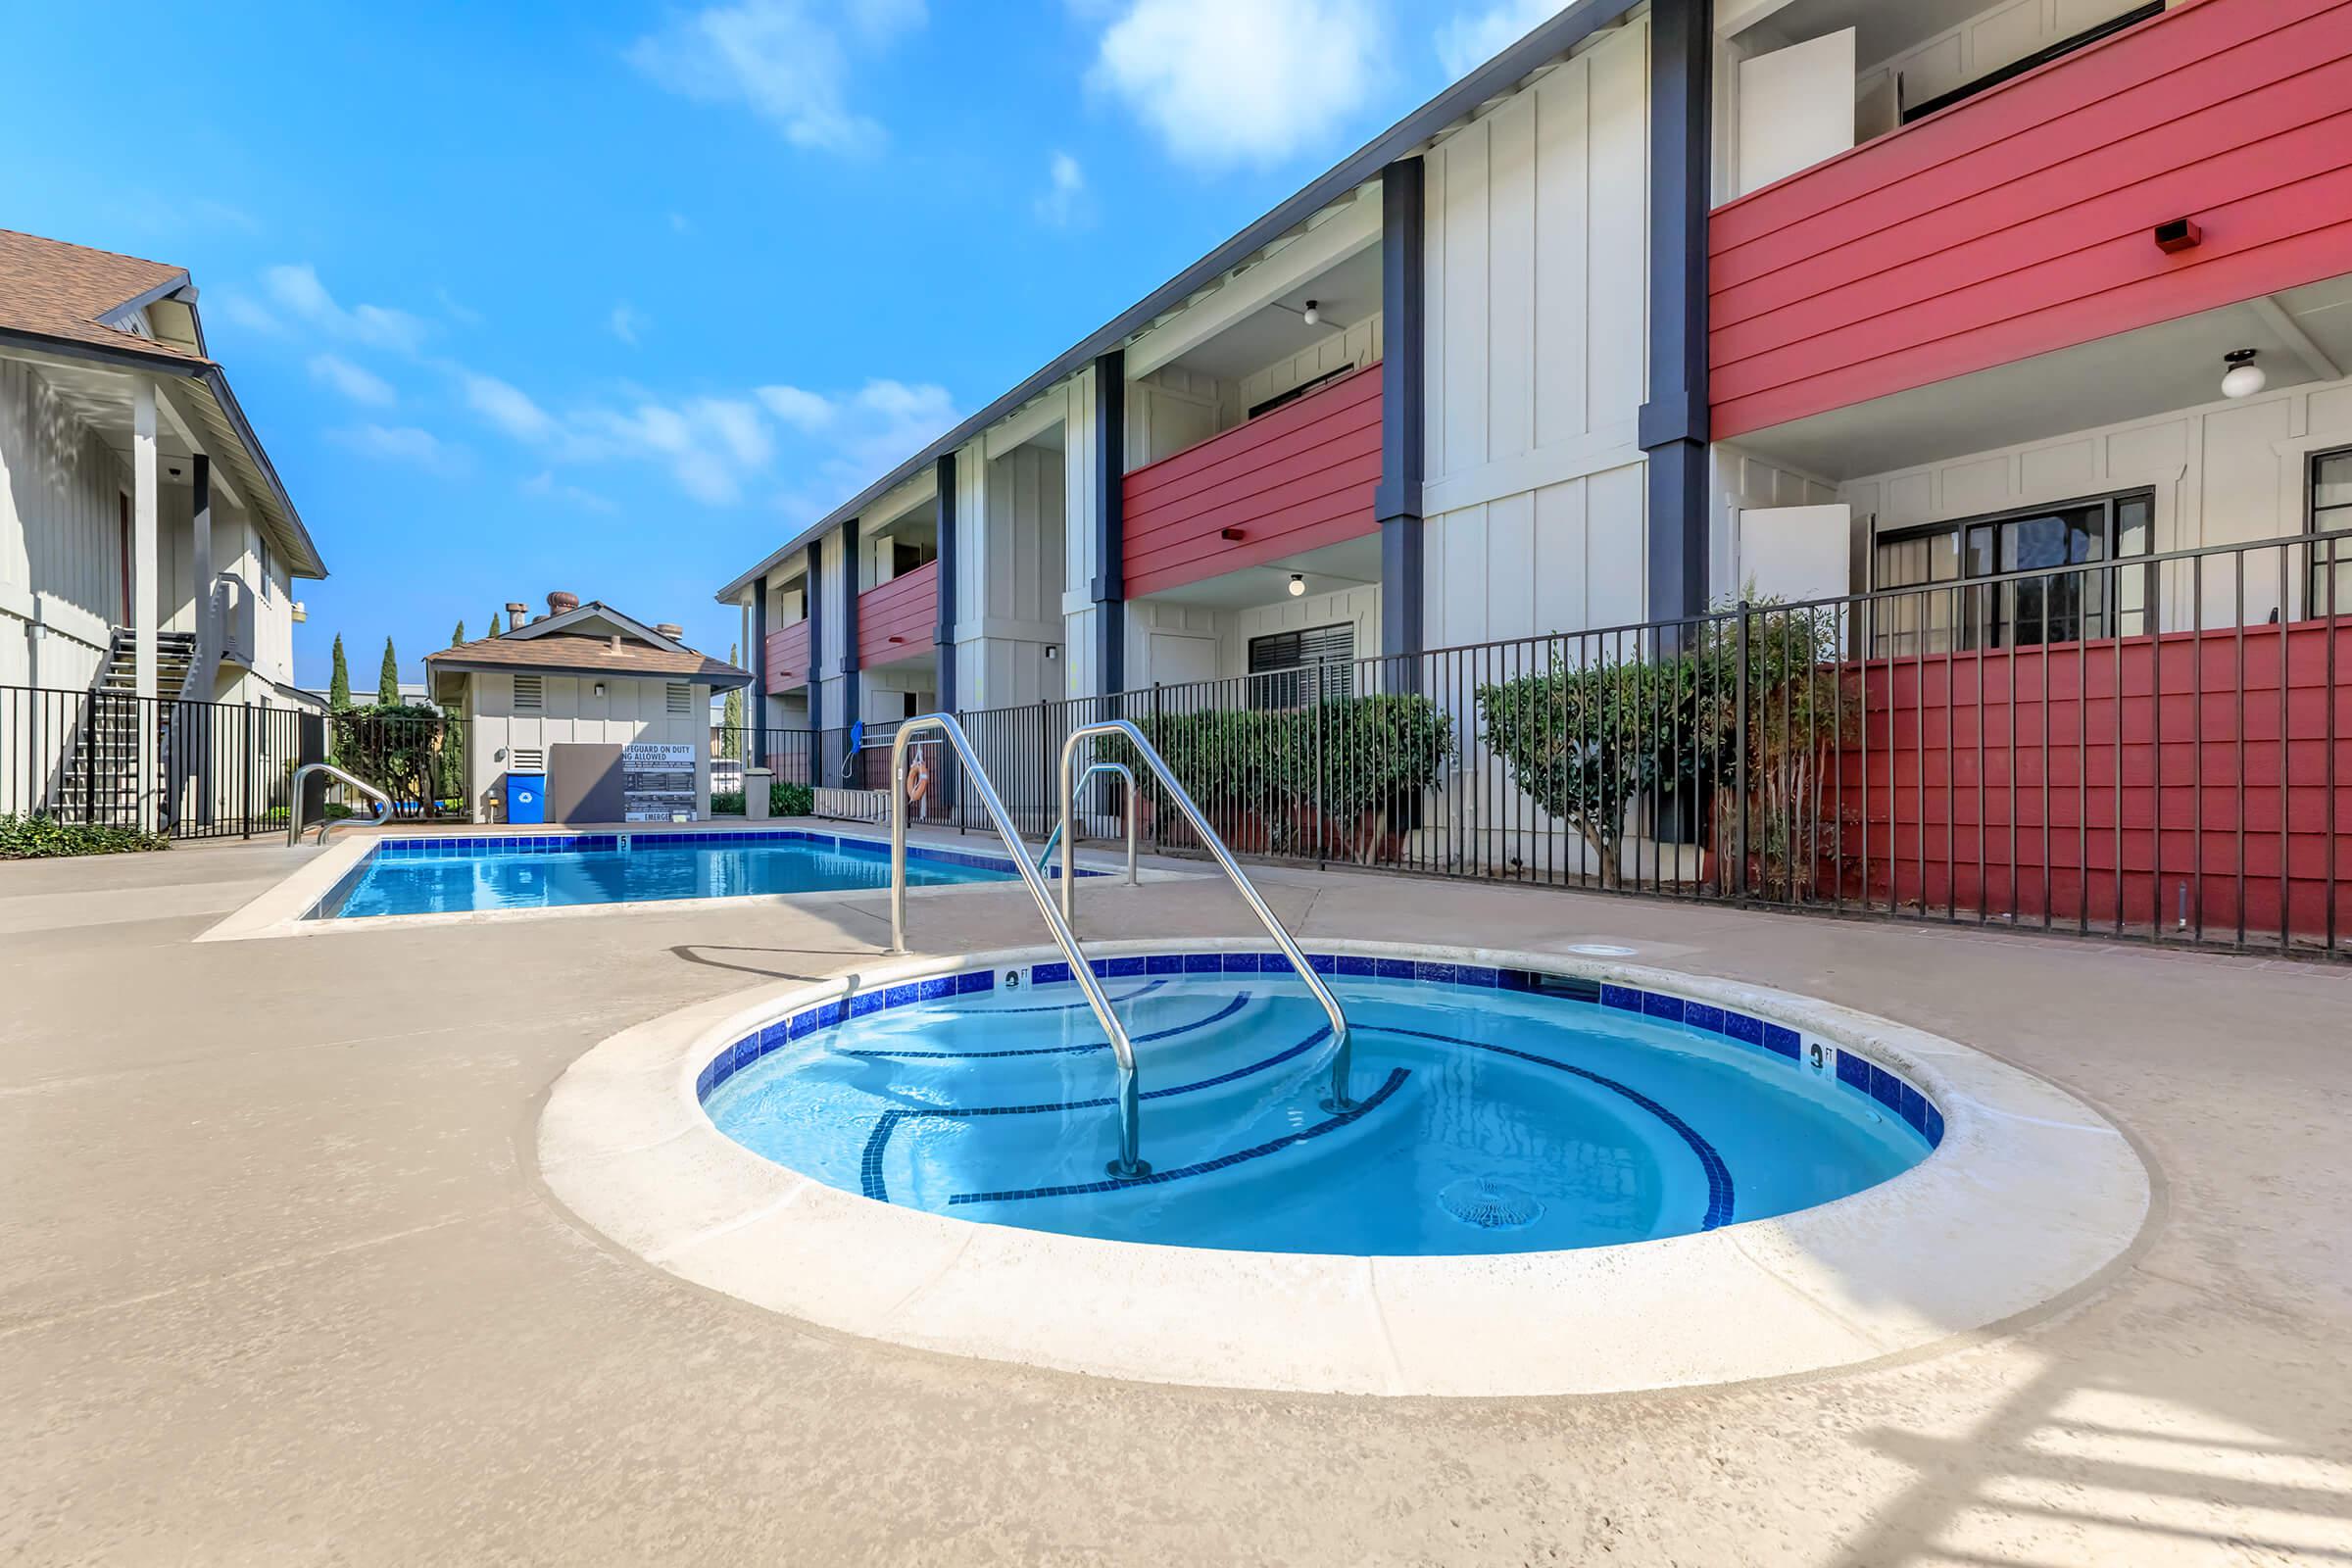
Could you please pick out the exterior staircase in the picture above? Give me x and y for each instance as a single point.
(104, 783)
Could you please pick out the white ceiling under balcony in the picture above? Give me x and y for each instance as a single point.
(1332, 570)
(1345, 293)
(2300, 336)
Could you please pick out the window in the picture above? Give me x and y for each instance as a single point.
(1291, 669)
(269, 568)
(530, 693)
(2038, 598)
(2331, 512)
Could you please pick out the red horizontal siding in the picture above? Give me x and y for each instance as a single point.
(1292, 480)
(905, 609)
(787, 662)
(2019, 221)
(2028, 781)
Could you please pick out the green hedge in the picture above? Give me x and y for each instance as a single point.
(1342, 772)
(34, 838)
(783, 800)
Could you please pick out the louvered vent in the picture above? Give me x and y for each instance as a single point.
(530, 693)
(681, 698)
(530, 761)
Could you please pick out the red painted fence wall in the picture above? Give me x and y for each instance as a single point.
(897, 620)
(1292, 480)
(2019, 221)
(2028, 781)
(788, 661)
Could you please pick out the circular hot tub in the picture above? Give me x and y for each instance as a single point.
(1543, 1173)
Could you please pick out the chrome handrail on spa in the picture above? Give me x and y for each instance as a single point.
(1120, 770)
(383, 802)
(1130, 1163)
(1340, 1100)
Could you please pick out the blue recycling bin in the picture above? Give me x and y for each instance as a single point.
(527, 797)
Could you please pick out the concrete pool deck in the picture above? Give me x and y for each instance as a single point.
(281, 1280)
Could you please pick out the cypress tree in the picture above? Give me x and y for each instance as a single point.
(388, 681)
(730, 714)
(338, 690)
(457, 639)
(494, 624)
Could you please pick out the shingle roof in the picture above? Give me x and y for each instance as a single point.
(558, 650)
(59, 292)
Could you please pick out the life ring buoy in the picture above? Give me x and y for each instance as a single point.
(918, 780)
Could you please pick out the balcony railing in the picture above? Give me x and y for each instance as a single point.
(895, 619)
(1295, 479)
(2023, 219)
(789, 665)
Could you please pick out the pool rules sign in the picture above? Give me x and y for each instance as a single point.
(657, 782)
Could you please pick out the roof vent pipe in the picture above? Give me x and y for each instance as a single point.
(561, 603)
(673, 632)
(516, 612)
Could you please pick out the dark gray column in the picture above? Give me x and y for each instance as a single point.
(1403, 449)
(809, 585)
(943, 635)
(1111, 521)
(755, 711)
(1674, 422)
(848, 627)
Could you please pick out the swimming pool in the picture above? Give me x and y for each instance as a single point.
(458, 874)
(1496, 1109)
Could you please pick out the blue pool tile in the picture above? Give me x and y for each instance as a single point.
(1323, 962)
(747, 1052)
(1354, 966)
(1914, 1108)
(1164, 963)
(936, 987)
(1742, 1027)
(1933, 1126)
(899, 995)
(1476, 974)
(1050, 974)
(1624, 998)
(1703, 1015)
(723, 1068)
(1445, 974)
(1656, 1005)
(800, 1024)
(701, 1083)
(863, 1003)
(1788, 1042)
(1241, 964)
(1886, 1088)
(1853, 1071)
(972, 980)
(1273, 963)
(831, 1014)
(1515, 979)
(1393, 968)
(776, 1033)
(1120, 968)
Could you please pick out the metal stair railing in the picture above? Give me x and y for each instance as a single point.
(1338, 1100)
(1116, 770)
(383, 802)
(1129, 1166)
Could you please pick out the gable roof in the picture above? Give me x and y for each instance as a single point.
(74, 294)
(593, 609)
(555, 645)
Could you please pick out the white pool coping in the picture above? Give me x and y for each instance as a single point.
(283, 910)
(2031, 1193)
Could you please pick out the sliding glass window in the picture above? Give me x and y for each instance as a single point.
(2016, 579)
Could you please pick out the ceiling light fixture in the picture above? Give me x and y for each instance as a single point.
(1312, 316)
(2245, 377)
(1297, 583)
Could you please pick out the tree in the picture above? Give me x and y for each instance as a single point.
(338, 690)
(387, 680)
(457, 639)
(730, 715)
(493, 623)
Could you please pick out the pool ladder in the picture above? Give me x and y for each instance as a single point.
(1130, 1164)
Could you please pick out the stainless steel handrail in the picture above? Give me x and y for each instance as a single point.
(1118, 769)
(1338, 1100)
(1130, 1163)
(383, 802)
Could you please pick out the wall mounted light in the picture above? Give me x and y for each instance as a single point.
(600, 687)
(2245, 377)
(1052, 652)
(1298, 584)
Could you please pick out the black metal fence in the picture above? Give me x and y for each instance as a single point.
(2158, 747)
(192, 770)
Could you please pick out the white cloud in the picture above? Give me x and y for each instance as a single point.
(508, 406)
(1238, 82)
(805, 411)
(1063, 202)
(545, 483)
(788, 60)
(358, 384)
(244, 309)
(627, 321)
(297, 290)
(1468, 42)
(404, 444)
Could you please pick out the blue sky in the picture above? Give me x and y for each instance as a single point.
(611, 298)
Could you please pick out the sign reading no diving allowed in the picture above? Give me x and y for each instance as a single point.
(657, 782)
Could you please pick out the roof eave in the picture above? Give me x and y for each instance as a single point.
(1497, 78)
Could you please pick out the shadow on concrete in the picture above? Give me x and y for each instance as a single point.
(706, 954)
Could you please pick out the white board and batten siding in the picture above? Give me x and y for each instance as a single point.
(2222, 473)
(1535, 489)
(633, 709)
(60, 553)
(1008, 575)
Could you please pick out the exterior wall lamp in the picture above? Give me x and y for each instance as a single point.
(1298, 584)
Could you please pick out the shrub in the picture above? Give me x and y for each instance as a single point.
(38, 837)
(783, 800)
(396, 746)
